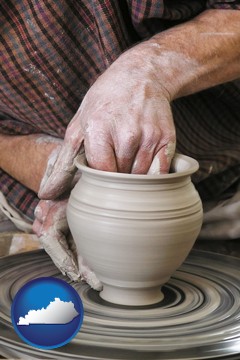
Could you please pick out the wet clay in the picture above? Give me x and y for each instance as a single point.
(134, 231)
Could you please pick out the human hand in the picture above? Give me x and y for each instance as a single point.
(52, 229)
(126, 123)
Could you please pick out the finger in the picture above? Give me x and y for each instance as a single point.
(142, 160)
(162, 160)
(42, 209)
(88, 275)
(54, 243)
(37, 226)
(40, 214)
(150, 141)
(61, 169)
(100, 154)
(112, 149)
(126, 148)
(52, 229)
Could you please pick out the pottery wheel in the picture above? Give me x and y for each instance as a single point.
(199, 317)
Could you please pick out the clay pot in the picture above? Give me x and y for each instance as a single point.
(134, 231)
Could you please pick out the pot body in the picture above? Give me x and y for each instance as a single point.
(134, 231)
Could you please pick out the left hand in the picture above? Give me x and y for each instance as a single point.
(52, 229)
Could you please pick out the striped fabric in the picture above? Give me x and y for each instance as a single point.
(208, 129)
(51, 53)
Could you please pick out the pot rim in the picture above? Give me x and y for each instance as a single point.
(190, 166)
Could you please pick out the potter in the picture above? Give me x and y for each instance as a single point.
(134, 231)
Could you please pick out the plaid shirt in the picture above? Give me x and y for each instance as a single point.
(53, 51)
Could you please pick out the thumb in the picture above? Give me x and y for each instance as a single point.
(60, 169)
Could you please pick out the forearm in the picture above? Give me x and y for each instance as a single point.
(193, 56)
(211, 46)
(25, 157)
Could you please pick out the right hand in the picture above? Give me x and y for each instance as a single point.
(125, 122)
